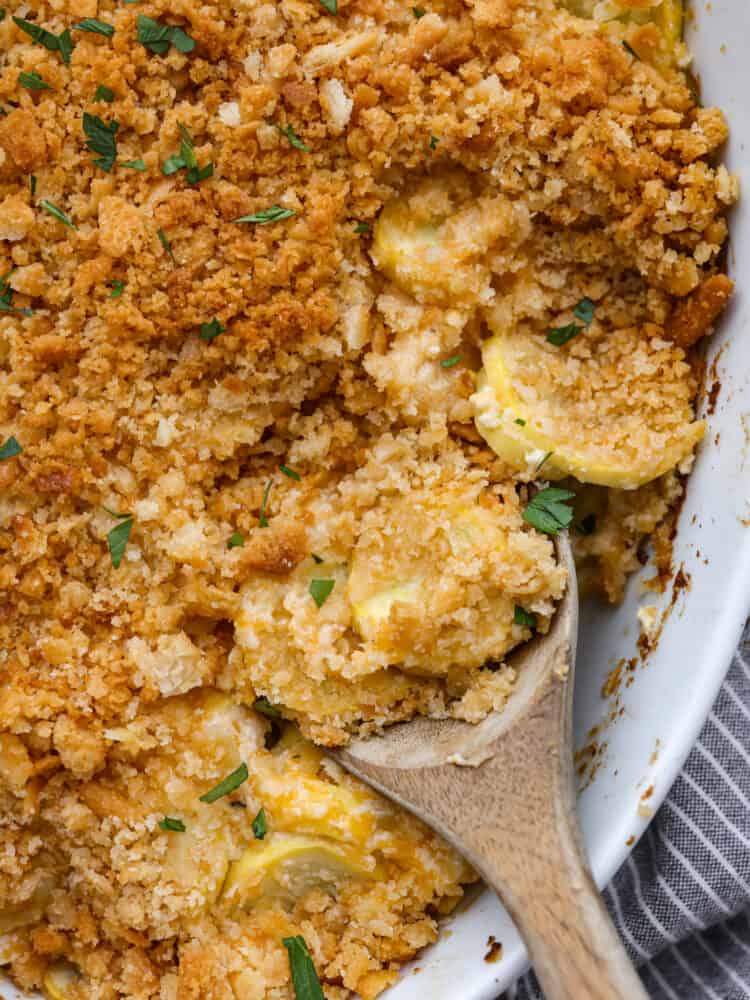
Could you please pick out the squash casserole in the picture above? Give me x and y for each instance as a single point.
(318, 320)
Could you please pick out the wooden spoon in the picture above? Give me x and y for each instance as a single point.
(502, 793)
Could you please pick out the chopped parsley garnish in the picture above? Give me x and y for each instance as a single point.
(2, 14)
(10, 449)
(228, 785)
(584, 312)
(331, 6)
(264, 707)
(320, 590)
(33, 81)
(118, 287)
(119, 536)
(62, 43)
(236, 540)
(629, 48)
(418, 12)
(289, 472)
(32, 184)
(304, 977)
(450, 362)
(101, 140)
(544, 460)
(166, 244)
(273, 214)
(260, 827)
(104, 94)
(134, 165)
(264, 503)
(362, 227)
(95, 26)
(294, 139)
(6, 297)
(186, 160)
(158, 37)
(211, 330)
(434, 141)
(523, 617)
(55, 212)
(520, 421)
(175, 825)
(548, 511)
(317, 559)
(587, 524)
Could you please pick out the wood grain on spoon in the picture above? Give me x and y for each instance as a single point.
(503, 793)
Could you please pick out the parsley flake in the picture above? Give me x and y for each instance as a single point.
(101, 140)
(264, 707)
(264, 503)
(55, 212)
(290, 472)
(434, 141)
(304, 977)
(523, 617)
(118, 538)
(236, 540)
(118, 287)
(629, 48)
(10, 449)
(95, 26)
(320, 590)
(166, 244)
(104, 94)
(157, 37)
(228, 785)
(548, 511)
(418, 12)
(62, 43)
(211, 330)
(186, 160)
(134, 165)
(331, 6)
(450, 362)
(6, 297)
(520, 421)
(317, 559)
(175, 825)
(260, 826)
(362, 227)
(294, 139)
(583, 311)
(273, 214)
(544, 460)
(33, 81)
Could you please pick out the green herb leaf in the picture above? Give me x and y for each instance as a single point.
(118, 287)
(211, 330)
(630, 49)
(197, 174)
(172, 165)
(264, 707)
(331, 6)
(62, 43)
(362, 227)
(317, 559)
(560, 335)
(260, 827)
(544, 460)
(33, 81)
(104, 94)
(320, 590)
(418, 12)
(585, 310)
(236, 540)
(273, 214)
(264, 503)
(114, 513)
(6, 297)
(10, 449)
(232, 781)
(434, 141)
(548, 511)
(118, 538)
(55, 212)
(290, 472)
(522, 617)
(158, 37)
(134, 165)
(175, 825)
(294, 139)
(2, 14)
(520, 421)
(101, 140)
(166, 244)
(304, 977)
(450, 362)
(95, 26)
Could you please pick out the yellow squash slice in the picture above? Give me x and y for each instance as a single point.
(59, 980)
(619, 417)
(666, 16)
(286, 866)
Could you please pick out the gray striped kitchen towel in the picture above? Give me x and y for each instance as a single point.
(681, 902)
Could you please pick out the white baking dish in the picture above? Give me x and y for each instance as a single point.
(672, 694)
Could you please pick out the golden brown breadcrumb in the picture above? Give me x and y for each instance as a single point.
(160, 361)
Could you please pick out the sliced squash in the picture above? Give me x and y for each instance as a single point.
(617, 414)
(59, 980)
(286, 866)
(667, 16)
